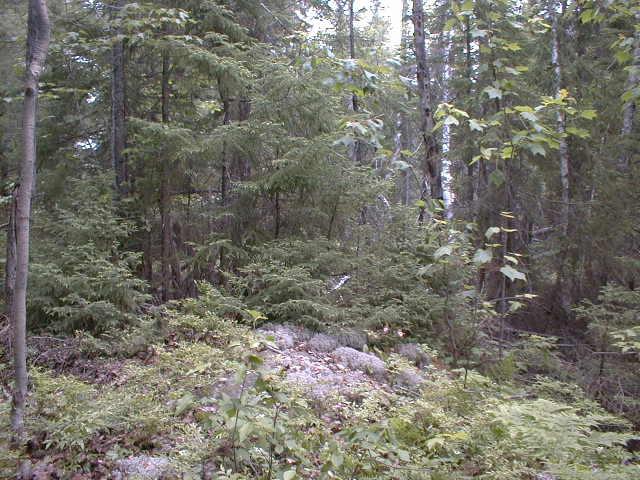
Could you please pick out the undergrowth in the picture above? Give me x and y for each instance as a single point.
(204, 400)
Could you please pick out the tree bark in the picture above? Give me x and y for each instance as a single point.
(432, 168)
(10, 271)
(38, 37)
(352, 49)
(565, 162)
(629, 112)
(165, 198)
(118, 114)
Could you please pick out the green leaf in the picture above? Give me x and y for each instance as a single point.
(289, 475)
(513, 274)
(451, 120)
(536, 149)
(256, 315)
(482, 256)
(244, 431)
(254, 360)
(622, 56)
(487, 152)
(467, 6)
(529, 116)
(443, 251)
(496, 177)
(507, 153)
(515, 306)
(475, 125)
(491, 231)
(587, 15)
(589, 114)
(578, 132)
(493, 93)
(511, 259)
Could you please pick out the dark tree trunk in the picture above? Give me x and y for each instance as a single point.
(629, 113)
(38, 36)
(118, 114)
(165, 197)
(352, 49)
(432, 168)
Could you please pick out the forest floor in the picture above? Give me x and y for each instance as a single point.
(281, 402)
(333, 373)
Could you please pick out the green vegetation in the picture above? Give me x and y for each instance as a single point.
(269, 240)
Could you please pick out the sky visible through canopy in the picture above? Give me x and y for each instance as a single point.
(392, 10)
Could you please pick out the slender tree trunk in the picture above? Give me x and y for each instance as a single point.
(352, 50)
(118, 113)
(561, 127)
(472, 192)
(565, 162)
(432, 168)
(10, 271)
(165, 198)
(358, 147)
(629, 113)
(402, 123)
(38, 36)
(276, 232)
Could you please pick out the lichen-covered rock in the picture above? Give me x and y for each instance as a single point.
(545, 476)
(413, 353)
(409, 379)
(286, 336)
(365, 362)
(352, 338)
(323, 343)
(144, 467)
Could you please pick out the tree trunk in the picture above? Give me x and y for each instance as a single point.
(432, 168)
(352, 50)
(165, 198)
(565, 161)
(472, 191)
(10, 272)
(38, 36)
(629, 113)
(118, 112)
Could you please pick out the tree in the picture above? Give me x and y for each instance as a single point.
(431, 166)
(38, 37)
(555, 12)
(118, 110)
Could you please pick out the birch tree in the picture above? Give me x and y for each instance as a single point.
(38, 37)
(555, 11)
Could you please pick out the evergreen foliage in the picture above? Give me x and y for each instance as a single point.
(446, 234)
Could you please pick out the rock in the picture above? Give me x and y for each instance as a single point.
(352, 338)
(412, 352)
(286, 336)
(409, 379)
(545, 476)
(144, 467)
(365, 362)
(323, 343)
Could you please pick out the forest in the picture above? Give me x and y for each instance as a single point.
(320, 239)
